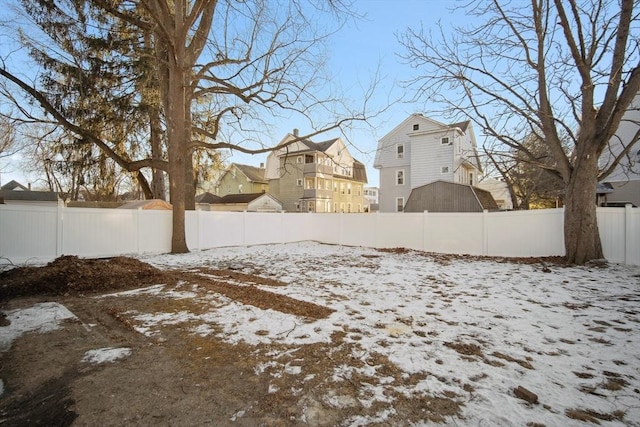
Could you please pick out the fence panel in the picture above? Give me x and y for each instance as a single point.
(99, 232)
(399, 230)
(525, 233)
(454, 233)
(611, 223)
(43, 233)
(358, 229)
(28, 233)
(154, 231)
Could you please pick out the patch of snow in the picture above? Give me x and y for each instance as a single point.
(530, 328)
(106, 355)
(41, 318)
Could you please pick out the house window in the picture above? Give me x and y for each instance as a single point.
(348, 188)
(359, 208)
(327, 184)
(470, 178)
(416, 127)
(399, 204)
(328, 207)
(400, 151)
(308, 183)
(308, 158)
(342, 188)
(240, 188)
(358, 190)
(341, 207)
(311, 206)
(299, 159)
(349, 207)
(299, 182)
(335, 187)
(444, 169)
(400, 177)
(444, 140)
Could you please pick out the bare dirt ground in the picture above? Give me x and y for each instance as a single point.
(179, 379)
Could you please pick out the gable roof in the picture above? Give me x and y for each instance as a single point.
(251, 172)
(461, 125)
(14, 185)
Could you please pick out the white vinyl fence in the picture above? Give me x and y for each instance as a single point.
(40, 234)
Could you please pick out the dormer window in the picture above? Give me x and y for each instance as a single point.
(444, 140)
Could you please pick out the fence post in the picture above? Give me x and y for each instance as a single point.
(59, 230)
(425, 219)
(136, 213)
(485, 233)
(627, 234)
(376, 233)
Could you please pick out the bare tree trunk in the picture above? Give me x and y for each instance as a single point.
(157, 180)
(581, 235)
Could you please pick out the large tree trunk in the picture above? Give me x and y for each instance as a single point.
(581, 235)
(157, 180)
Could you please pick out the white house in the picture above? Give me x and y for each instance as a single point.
(499, 191)
(623, 185)
(419, 151)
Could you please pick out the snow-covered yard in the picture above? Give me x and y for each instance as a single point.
(484, 333)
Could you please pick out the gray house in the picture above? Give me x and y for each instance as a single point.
(421, 150)
(443, 196)
(15, 193)
(623, 185)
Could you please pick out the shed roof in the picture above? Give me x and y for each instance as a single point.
(445, 196)
(152, 204)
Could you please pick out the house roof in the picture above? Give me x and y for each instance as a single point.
(207, 198)
(359, 171)
(238, 198)
(252, 173)
(316, 146)
(461, 125)
(14, 185)
(32, 196)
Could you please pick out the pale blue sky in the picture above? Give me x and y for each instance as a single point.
(360, 49)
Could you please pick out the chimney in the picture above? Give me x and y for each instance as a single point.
(295, 132)
(261, 165)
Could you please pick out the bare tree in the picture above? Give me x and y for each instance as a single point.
(530, 184)
(248, 58)
(547, 68)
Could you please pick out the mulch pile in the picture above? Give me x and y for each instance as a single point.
(70, 275)
(73, 276)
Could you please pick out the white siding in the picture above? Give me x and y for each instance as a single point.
(428, 158)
